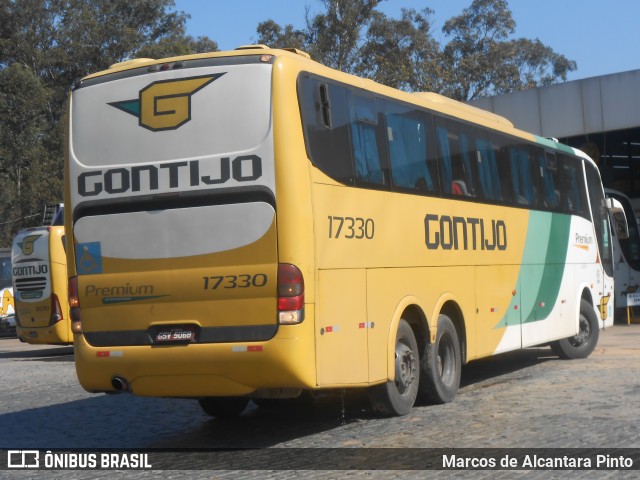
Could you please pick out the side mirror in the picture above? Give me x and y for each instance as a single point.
(618, 218)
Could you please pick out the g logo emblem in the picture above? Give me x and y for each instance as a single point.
(26, 245)
(166, 104)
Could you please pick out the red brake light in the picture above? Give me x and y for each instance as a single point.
(290, 294)
(56, 311)
(74, 306)
(74, 301)
(290, 280)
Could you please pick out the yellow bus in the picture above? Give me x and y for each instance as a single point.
(251, 224)
(39, 271)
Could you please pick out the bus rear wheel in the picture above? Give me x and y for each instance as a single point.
(582, 344)
(223, 407)
(397, 397)
(441, 365)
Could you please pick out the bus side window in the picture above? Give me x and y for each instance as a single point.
(444, 159)
(454, 159)
(488, 169)
(494, 169)
(364, 141)
(325, 118)
(469, 171)
(407, 134)
(525, 190)
(573, 186)
(550, 183)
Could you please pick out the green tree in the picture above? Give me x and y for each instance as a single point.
(335, 36)
(23, 155)
(45, 46)
(402, 53)
(483, 59)
(181, 45)
(272, 34)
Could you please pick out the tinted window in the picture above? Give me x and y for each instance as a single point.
(550, 175)
(494, 172)
(456, 159)
(575, 196)
(59, 218)
(361, 139)
(600, 218)
(366, 138)
(409, 142)
(5, 272)
(630, 246)
(525, 176)
(325, 118)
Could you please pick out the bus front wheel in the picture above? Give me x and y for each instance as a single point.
(223, 407)
(441, 365)
(582, 344)
(397, 397)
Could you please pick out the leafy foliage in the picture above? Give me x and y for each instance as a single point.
(484, 60)
(480, 58)
(402, 53)
(46, 45)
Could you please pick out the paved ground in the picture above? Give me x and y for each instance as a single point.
(528, 399)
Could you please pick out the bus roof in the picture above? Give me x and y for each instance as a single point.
(430, 100)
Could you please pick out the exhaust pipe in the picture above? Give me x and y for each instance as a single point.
(120, 384)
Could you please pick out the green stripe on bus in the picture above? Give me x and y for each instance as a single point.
(555, 145)
(542, 268)
(554, 268)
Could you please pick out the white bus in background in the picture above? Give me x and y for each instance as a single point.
(626, 258)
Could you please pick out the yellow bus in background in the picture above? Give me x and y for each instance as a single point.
(251, 224)
(39, 271)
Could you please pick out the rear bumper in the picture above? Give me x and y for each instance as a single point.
(56, 334)
(202, 370)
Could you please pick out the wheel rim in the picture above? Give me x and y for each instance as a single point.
(446, 362)
(405, 367)
(582, 338)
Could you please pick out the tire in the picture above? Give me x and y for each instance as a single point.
(397, 397)
(441, 365)
(223, 407)
(582, 344)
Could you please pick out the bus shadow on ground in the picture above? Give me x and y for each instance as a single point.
(41, 354)
(128, 422)
(498, 366)
(287, 420)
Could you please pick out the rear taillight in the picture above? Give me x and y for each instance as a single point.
(74, 306)
(56, 311)
(290, 294)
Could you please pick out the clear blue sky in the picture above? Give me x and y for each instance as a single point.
(602, 36)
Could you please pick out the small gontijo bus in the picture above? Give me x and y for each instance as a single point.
(40, 280)
(252, 224)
